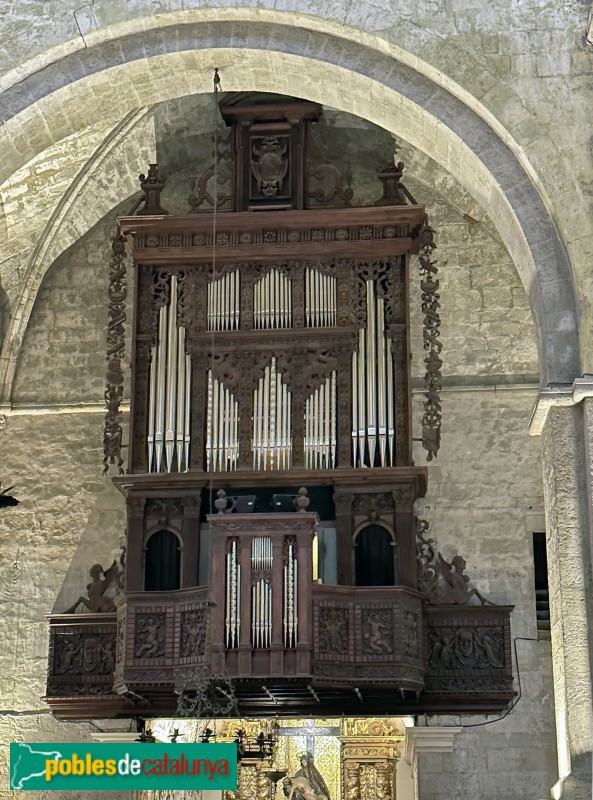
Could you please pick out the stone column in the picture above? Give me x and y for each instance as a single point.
(567, 461)
(422, 745)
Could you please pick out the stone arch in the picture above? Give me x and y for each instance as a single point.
(352, 75)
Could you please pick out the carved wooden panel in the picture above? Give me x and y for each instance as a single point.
(82, 657)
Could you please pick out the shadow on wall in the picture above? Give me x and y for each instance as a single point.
(99, 543)
(4, 314)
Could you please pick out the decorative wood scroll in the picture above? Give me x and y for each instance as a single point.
(431, 419)
(114, 392)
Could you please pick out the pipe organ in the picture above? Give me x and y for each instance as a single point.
(271, 352)
(170, 390)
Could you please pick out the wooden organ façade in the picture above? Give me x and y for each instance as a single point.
(271, 352)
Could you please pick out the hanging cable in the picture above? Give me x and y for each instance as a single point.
(215, 111)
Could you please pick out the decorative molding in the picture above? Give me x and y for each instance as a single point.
(562, 395)
(428, 740)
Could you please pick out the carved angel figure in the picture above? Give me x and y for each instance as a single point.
(269, 166)
(96, 601)
(456, 590)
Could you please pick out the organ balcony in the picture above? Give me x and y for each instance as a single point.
(268, 627)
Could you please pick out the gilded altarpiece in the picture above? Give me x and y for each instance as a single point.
(370, 750)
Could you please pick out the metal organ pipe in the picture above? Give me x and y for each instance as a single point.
(169, 404)
(372, 389)
(261, 591)
(233, 595)
(222, 427)
(290, 622)
(223, 302)
(320, 299)
(320, 425)
(271, 441)
(272, 301)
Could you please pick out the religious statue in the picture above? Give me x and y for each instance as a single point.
(97, 601)
(307, 783)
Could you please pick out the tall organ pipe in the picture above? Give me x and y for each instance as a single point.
(271, 421)
(272, 304)
(372, 389)
(320, 425)
(222, 427)
(152, 407)
(169, 405)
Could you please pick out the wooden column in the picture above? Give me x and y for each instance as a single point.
(198, 405)
(138, 456)
(298, 409)
(245, 397)
(297, 275)
(343, 505)
(277, 654)
(305, 573)
(344, 402)
(134, 540)
(405, 531)
(190, 533)
(218, 550)
(245, 606)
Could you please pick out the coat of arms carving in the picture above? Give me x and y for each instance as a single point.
(269, 164)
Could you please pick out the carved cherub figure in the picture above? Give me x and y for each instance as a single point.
(375, 635)
(97, 602)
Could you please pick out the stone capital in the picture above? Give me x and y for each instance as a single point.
(114, 737)
(564, 394)
(428, 740)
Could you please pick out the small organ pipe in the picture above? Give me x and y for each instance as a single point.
(320, 299)
(209, 450)
(180, 412)
(186, 421)
(152, 406)
(233, 595)
(362, 420)
(159, 428)
(228, 599)
(381, 393)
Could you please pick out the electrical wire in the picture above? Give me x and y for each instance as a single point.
(216, 83)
